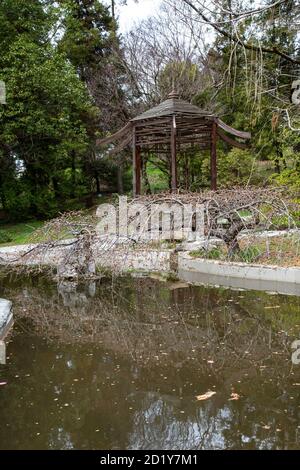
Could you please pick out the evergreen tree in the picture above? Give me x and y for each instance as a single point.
(43, 126)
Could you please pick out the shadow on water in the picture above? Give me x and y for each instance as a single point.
(118, 364)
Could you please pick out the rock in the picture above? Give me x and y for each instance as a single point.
(199, 244)
(178, 285)
(223, 221)
(268, 233)
(66, 271)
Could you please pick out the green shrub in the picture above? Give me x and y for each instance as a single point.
(17, 201)
(237, 167)
(289, 178)
(249, 254)
(5, 237)
(214, 253)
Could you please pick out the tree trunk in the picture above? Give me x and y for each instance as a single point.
(3, 199)
(55, 187)
(113, 9)
(97, 179)
(73, 180)
(233, 248)
(279, 156)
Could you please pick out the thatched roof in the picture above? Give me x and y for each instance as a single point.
(173, 106)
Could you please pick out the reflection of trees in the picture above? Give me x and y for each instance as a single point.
(147, 320)
(160, 420)
(139, 352)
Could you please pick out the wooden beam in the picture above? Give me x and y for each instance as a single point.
(120, 146)
(138, 171)
(231, 130)
(134, 161)
(213, 156)
(173, 156)
(194, 140)
(152, 122)
(231, 141)
(116, 136)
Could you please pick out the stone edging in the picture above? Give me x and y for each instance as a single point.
(240, 275)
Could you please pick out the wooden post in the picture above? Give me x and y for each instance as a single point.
(136, 166)
(173, 156)
(138, 170)
(133, 162)
(213, 157)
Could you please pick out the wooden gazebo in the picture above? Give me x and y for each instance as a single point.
(169, 126)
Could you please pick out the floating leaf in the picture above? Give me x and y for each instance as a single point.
(234, 396)
(206, 395)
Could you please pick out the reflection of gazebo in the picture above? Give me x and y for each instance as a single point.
(166, 128)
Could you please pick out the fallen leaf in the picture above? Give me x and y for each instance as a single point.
(234, 396)
(205, 396)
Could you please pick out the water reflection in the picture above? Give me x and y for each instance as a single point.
(119, 364)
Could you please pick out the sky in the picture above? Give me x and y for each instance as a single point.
(134, 12)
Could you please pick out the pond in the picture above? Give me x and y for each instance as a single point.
(119, 364)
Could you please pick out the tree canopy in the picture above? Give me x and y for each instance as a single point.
(71, 76)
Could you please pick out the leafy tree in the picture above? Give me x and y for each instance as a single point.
(92, 45)
(253, 88)
(87, 26)
(47, 124)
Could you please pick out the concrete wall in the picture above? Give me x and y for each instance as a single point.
(134, 260)
(114, 257)
(32, 255)
(122, 258)
(239, 275)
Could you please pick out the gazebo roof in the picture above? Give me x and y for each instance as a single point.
(154, 128)
(172, 106)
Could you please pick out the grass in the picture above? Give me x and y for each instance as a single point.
(280, 251)
(157, 179)
(214, 253)
(21, 233)
(18, 234)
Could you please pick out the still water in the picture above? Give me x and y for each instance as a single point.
(118, 364)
